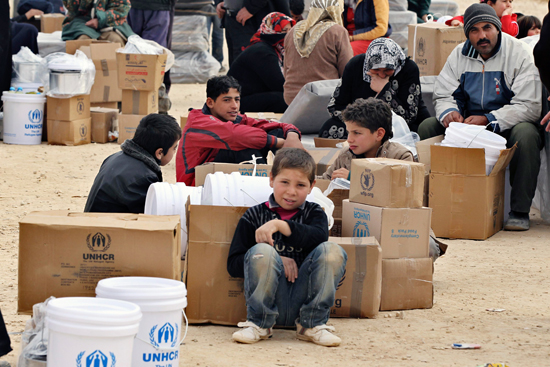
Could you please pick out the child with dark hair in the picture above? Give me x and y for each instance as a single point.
(280, 248)
(529, 25)
(124, 177)
(218, 133)
(369, 126)
(297, 9)
(504, 11)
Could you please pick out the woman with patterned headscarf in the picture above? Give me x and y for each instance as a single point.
(382, 72)
(317, 48)
(259, 68)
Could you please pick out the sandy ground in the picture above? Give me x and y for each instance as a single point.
(508, 271)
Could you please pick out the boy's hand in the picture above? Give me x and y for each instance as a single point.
(264, 234)
(453, 116)
(377, 83)
(291, 269)
(507, 11)
(340, 173)
(220, 10)
(93, 23)
(293, 141)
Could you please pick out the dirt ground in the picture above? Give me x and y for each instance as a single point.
(508, 271)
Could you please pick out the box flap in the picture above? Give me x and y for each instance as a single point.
(423, 150)
(466, 161)
(327, 143)
(503, 160)
(245, 169)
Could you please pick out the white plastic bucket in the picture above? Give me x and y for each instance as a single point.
(86, 331)
(162, 302)
(23, 118)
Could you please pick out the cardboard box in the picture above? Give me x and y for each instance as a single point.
(336, 230)
(327, 143)
(466, 202)
(245, 169)
(423, 151)
(77, 132)
(387, 183)
(324, 158)
(140, 72)
(68, 109)
(127, 125)
(430, 44)
(50, 23)
(183, 122)
(112, 105)
(358, 293)
(337, 196)
(105, 88)
(103, 120)
(136, 102)
(406, 284)
(65, 254)
(401, 232)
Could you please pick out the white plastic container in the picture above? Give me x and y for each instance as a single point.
(162, 302)
(67, 79)
(23, 118)
(86, 331)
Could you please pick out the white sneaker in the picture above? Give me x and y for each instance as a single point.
(251, 333)
(322, 335)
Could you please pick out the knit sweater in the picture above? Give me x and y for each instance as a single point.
(327, 60)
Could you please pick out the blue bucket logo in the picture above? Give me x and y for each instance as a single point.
(361, 229)
(166, 335)
(35, 116)
(95, 359)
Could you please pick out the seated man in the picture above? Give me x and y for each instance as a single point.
(99, 19)
(218, 133)
(491, 80)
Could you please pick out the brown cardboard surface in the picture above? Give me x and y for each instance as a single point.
(50, 23)
(337, 196)
(113, 105)
(323, 157)
(245, 169)
(77, 132)
(65, 254)
(264, 115)
(140, 72)
(401, 232)
(406, 284)
(423, 150)
(103, 120)
(466, 202)
(388, 183)
(136, 102)
(183, 122)
(68, 109)
(430, 44)
(336, 230)
(358, 293)
(327, 143)
(105, 88)
(127, 125)
(72, 45)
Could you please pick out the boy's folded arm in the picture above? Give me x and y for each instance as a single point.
(309, 235)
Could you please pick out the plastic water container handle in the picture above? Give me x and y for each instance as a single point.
(179, 343)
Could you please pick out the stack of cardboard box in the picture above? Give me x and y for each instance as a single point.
(385, 201)
(68, 120)
(140, 77)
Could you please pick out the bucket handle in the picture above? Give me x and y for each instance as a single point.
(157, 347)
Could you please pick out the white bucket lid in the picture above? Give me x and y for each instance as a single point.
(93, 316)
(64, 67)
(151, 294)
(23, 98)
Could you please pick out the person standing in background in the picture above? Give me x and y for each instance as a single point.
(5, 47)
(215, 34)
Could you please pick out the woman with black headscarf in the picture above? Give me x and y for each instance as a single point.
(259, 68)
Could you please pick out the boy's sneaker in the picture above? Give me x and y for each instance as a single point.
(517, 222)
(251, 333)
(322, 335)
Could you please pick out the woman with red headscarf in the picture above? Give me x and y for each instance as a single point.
(259, 68)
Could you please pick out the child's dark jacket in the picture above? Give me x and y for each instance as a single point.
(309, 227)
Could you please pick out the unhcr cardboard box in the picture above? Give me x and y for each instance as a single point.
(127, 125)
(138, 102)
(406, 284)
(68, 109)
(387, 183)
(50, 23)
(77, 132)
(466, 203)
(65, 254)
(327, 143)
(103, 121)
(323, 157)
(423, 150)
(245, 170)
(105, 88)
(401, 232)
(140, 72)
(430, 44)
(358, 293)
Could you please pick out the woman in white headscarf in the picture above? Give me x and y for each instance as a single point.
(317, 48)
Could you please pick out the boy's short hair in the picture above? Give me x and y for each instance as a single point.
(294, 158)
(297, 6)
(157, 131)
(220, 85)
(370, 113)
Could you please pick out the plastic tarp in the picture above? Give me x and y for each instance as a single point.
(79, 71)
(29, 68)
(400, 21)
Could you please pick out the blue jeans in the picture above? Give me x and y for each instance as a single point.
(217, 36)
(271, 299)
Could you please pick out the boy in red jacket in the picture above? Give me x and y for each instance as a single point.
(503, 9)
(218, 133)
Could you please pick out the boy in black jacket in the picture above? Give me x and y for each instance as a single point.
(124, 177)
(280, 248)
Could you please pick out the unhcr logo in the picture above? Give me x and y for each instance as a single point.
(80, 107)
(83, 130)
(35, 116)
(95, 359)
(98, 242)
(167, 337)
(361, 229)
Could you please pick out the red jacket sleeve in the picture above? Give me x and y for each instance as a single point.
(458, 17)
(510, 24)
(266, 125)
